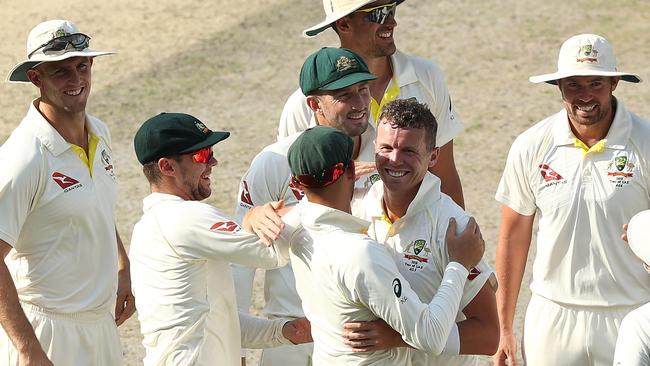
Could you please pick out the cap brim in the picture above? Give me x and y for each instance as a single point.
(638, 235)
(215, 137)
(554, 77)
(347, 80)
(314, 30)
(19, 73)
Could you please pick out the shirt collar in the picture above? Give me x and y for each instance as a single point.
(43, 130)
(319, 218)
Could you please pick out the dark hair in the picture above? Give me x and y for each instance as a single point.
(409, 113)
(152, 171)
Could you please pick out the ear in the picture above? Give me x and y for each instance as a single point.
(312, 103)
(35, 77)
(167, 167)
(434, 157)
(343, 25)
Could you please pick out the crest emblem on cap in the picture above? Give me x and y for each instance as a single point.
(201, 127)
(344, 63)
(587, 53)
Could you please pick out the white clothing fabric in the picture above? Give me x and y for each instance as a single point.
(633, 344)
(415, 77)
(418, 245)
(60, 220)
(182, 283)
(88, 338)
(342, 275)
(582, 204)
(560, 334)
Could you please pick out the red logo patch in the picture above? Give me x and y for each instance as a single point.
(473, 273)
(296, 189)
(63, 180)
(548, 173)
(226, 226)
(245, 195)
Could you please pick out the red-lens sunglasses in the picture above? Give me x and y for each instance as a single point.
(203, 156)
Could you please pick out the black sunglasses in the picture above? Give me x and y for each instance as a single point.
(379, 14)
(76, 41)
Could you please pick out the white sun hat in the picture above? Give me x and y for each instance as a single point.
(335, 10)
(43, 36)
(585, 55)
(638, 235)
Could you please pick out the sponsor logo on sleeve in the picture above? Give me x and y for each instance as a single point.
(245, 197)
(473, 273)
(66, 183)
(225, 226)
(397, 290)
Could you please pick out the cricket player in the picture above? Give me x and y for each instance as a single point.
(63, 259)
(366, 27)
(583, 170)
(343, 275)
(633, 343)
(409, 215)
(336, 82)
(181, 249)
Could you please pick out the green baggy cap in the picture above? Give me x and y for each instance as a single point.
(169, 134)
(319, 156)
(332, 69)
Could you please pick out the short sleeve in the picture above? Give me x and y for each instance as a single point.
(514, 189)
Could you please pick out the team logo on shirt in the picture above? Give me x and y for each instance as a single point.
(296, 189)
(106, 160)
(372, 179)
(66, 183)
(225, 226)
(245, 197)
(619, 170)
(416, 255)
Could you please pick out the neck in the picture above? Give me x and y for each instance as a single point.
(167, 187)
(337, 195)
(71, 126)
(356, 147)
(397, 203)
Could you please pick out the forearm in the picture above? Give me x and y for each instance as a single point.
(261, 333)
(123, 263)
(12, 316)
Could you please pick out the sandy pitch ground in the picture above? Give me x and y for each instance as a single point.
(232, 64)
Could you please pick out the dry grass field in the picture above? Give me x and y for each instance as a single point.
(233, 63)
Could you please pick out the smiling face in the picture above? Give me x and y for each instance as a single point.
(402, 157)
(344, 109)
(65, 85)
(192, 178)
(367, 38)
(588, 99)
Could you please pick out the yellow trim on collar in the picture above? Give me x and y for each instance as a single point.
(389, 95)
(81, 153)
(597, 148)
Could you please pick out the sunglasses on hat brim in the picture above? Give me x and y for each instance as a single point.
(59, 45)
(379, 14)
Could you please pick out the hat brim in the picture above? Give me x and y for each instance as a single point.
(212, 139)
(19, 73)
(347, 80)
(554, 77)
(331, 18)
(638, 235)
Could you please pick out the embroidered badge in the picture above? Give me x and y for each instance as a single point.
(587, 53)
(344, 63)
(620, 170)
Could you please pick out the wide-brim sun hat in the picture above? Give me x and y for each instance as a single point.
(585, 55)
(335, 10)
(40, 36)
(638, 235)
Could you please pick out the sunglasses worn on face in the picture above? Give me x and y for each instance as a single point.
(379, 14)
(328, 177)
(202, 156)
(76, 41)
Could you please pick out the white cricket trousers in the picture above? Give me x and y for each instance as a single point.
(87, 338)
(288, 355)
(560, 334)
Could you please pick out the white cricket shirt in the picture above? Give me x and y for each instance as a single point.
(412, 77)
(418, 245)
(582, 202)
(58, 218)
(181, 280)
(342, 275)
